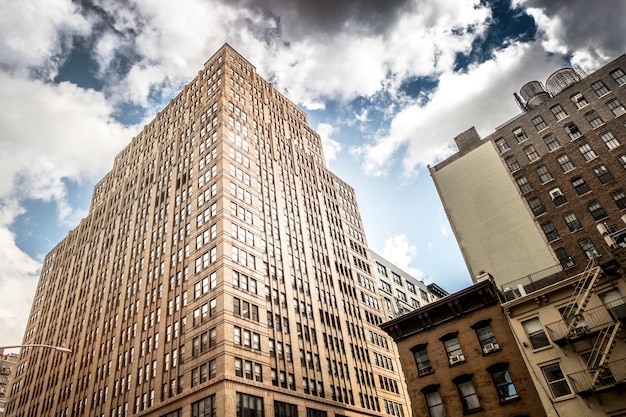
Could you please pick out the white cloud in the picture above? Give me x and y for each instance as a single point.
(330, 146)
(443, 228)
(401, 253)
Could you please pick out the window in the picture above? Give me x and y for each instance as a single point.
(524, 185)
(312, 412)
(401, 296)
(485, 335)
(622, 160)
(564, 258)
(603, 174)
(502, 145)
(556, 380)
(433, 400)
(539, 123)
(572, 130)
(596, 210)
(550, 231)
(610, 140)
(422, 360)
(535, 333)
(619, 76)
(511, 162)
(453, 348)
(249, 405)
(410, 287)
(579, 100)
(502, 381)
(580, 185)
(587, 246)
(600, 88)
(616, 107)
(587, 152)
(282, 409)
(558, 112)
(544, 174)
(535, 206)
(469, 398)
(205, 407)
(520, 135)
(594, 119)
(396, 278)
(381, 269)
(551, 142)
(620, 198)
(566, 164)
(572, 221)
(531, 153)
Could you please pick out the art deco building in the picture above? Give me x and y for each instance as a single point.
(546, 191)
(219, 273)
(400, 291)
(8, 362)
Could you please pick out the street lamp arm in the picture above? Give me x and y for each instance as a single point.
(57, 348)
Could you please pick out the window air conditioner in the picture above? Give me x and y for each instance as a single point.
(555, 193)
(456, 359)
(490, 347)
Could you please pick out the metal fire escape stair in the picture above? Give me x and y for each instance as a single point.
(581, 295)
(601, 352)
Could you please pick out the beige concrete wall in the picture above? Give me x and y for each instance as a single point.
(489, 218)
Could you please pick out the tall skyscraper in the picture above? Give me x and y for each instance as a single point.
(217, 273)
(545, 192)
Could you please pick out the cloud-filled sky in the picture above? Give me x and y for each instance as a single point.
(387, 84)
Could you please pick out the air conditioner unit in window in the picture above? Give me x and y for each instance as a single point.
(490, 347)
(555, 193)
(456, 359)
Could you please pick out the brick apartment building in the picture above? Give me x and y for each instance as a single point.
(546, 191)
(459, 357)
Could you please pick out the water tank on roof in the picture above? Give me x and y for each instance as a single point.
(534, 94)
(560, 80)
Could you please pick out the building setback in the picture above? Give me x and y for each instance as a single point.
(546, 191)
(459, 356)
(217, 273)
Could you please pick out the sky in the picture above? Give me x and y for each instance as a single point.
(387, 84)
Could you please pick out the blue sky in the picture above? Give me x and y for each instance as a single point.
(386, 84)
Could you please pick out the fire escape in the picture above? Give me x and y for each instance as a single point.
(600, 327)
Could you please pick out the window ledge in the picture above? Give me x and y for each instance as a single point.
(510, 400)
(541, 349)
(472, 411)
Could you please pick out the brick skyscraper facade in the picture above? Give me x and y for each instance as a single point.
(217, 273)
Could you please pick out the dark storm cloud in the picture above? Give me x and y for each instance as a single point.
(330, 16)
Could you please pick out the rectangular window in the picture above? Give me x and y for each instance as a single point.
(249, 405)
(594, 119)
(600, 88)
(535, 333)
(558, 112)
(564, 258)
(282, 409)
(502, 145)
(486, 338)
(531, 153)
(620, 198)
(312, 412)
(603, 174)
(572, 221)
(572, 130)
(454, 351)
(551, 142)
(520, 135)
(550, 231)
(566, 164)
(544, 174)
(619, 76)
(622, 160)
(435, 405)
(579, 100)
(539, 123)
(587, 152)
(616, 107)
(512, 163)
(580, 185)
(468, 395)
(588, 247)
(504, 385)
(422, 360)
(596, 210)
(535, 206)
(610, 140)
(524, 185)
(556, 380)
